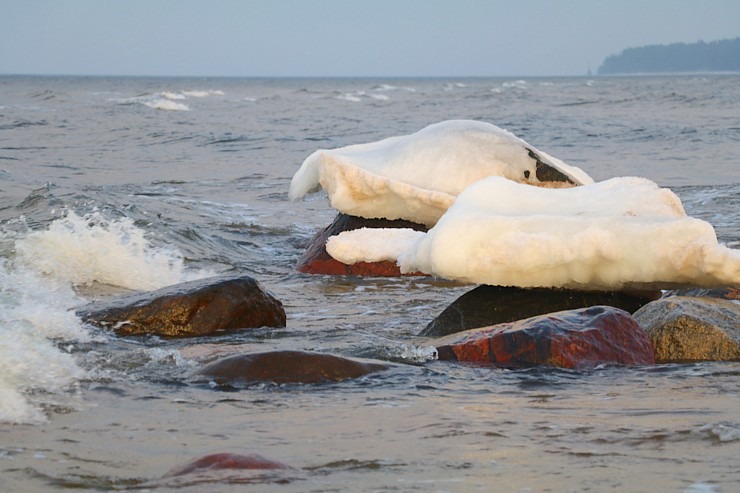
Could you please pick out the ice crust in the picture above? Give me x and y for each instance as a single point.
(620, 233)
(417, 177)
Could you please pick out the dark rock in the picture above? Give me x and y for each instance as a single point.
(286, 367)
(684, 328)
(316, 260)
(491, 305)
(546, 173)
(579, 338)
(226, 461)
(195, 308)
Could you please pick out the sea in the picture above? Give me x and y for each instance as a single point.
(117, 184)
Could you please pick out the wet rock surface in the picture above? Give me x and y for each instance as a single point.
(581, 338)
(685, 328)
(197, 308)
(285, 367)
(316, 260)
(491, 305)
(729, 293)
(215, 462)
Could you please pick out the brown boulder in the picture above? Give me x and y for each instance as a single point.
(197, 308)
(283, 367)
(491, 305)
(316, 260)
(215, 462)
(580, 338)
(684, 328)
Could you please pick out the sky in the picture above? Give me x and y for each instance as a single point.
(336, 38)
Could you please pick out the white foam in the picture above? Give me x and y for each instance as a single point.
(34, 321)
(623, 232)
(85, 249)
(37, 323)
(418, 176)
(166, 105)
(172, 95)
(202, 94)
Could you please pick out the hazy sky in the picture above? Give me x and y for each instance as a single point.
(344, 37)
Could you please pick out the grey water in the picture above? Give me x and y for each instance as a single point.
(200, 169)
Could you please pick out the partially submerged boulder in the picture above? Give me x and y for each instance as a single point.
(685, 328)
(581, 338)
(490, 305)
(316, 260)
(196, 308)
(285, 367)
(215, 462)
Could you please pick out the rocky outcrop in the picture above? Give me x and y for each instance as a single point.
(197, 308)
(215, 462)
(491, 305)
(285, 367)
(316, 260)
(684, 328)
(579, 338)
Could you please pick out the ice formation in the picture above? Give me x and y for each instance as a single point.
(619, 233)
(417, 177)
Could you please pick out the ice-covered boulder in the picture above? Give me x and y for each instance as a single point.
(417, 177)
(616, 234)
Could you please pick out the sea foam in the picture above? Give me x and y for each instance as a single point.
(91, 248)
(37, 294)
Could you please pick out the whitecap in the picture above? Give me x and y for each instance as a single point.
(90, 248)
(166, 105)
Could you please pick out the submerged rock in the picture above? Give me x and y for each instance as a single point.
(283, 367)
(214, 462)
(729, 293)
(197, 308)
(316, 260)
(491, 305)
(684, 328)
(579, 338)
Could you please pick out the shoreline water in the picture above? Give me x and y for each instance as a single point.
(208, 187)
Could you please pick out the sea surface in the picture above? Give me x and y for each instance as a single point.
(116, 184)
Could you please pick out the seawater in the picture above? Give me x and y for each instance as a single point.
(117, 184)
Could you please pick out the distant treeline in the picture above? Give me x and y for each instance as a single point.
(716, 56)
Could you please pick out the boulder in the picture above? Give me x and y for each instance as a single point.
(684, 328)
(491, 305)
(581, 338)
(196, 308)
(316, 260)
(283, 367)
(214, 462)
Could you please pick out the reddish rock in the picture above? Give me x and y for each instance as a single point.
(226, 461)
(282, 367)
(197, 308)
(316, 260)
(579, 338)
(491, 305)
